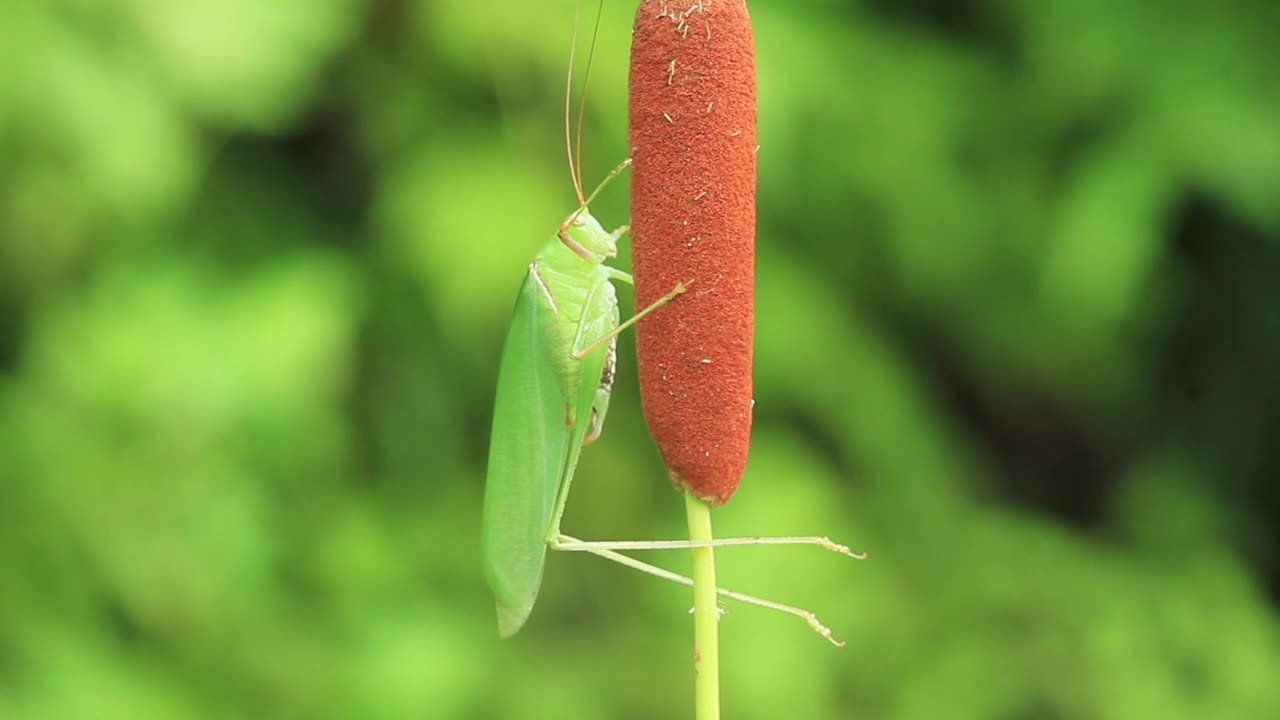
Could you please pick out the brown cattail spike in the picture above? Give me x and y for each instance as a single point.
(693, 215)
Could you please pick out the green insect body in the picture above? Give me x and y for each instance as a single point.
(551, 399)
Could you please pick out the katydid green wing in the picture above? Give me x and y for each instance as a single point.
(526, 456)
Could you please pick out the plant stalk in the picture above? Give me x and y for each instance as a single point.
(706, 615)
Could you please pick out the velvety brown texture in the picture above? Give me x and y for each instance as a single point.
(693, 219)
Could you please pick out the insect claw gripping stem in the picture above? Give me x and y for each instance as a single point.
(607, 179)
(586, 202)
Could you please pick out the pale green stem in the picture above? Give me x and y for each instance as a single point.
(706, 615)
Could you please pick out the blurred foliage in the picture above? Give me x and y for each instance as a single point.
(1016, 338)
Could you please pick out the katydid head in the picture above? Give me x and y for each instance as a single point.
(582, 229)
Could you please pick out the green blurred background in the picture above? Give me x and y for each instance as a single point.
(1017, 337)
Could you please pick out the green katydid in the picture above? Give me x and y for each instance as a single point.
(553, 393)
(554, 385)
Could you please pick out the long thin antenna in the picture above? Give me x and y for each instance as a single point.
(586, 77)
(568, 106)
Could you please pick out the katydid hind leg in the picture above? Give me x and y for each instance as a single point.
(823, 542)
(810, 619)
(604, 391)
(589, 408)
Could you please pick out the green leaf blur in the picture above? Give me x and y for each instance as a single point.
(1016, 339)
